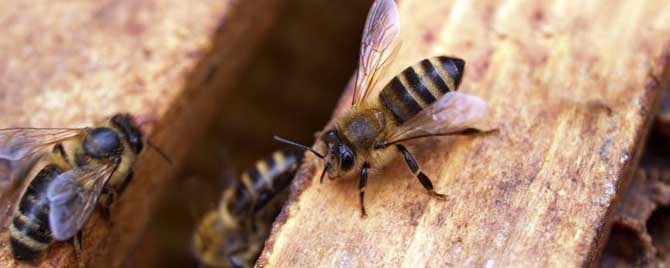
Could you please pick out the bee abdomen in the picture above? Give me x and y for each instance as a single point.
(421, 84)
(29, 232)
(269, 175)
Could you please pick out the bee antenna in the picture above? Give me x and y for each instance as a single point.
(159, 151)
(326, 167)
(279, 139)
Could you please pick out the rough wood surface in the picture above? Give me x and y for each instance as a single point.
(570, 84)
(71, 63)
(640, 235)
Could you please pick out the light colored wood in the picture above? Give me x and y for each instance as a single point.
(71, 63)
(571, 87)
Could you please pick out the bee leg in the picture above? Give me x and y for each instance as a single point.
(107, 198)
(414, 167)
(77, 248)
(362, 182)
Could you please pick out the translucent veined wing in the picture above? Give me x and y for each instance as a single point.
(21, 148)
(13, 179)
(17, 143)
(451, 113)
(380, 41)
(72, 197)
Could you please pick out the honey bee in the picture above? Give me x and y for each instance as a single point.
(233, 235)
(419, 102)
(81, 165)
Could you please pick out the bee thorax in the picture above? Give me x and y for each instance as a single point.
(363, 129)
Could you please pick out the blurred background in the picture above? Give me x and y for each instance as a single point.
(289, 89)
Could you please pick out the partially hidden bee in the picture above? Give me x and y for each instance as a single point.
(233, 235)
(418, 103)
(81, 165)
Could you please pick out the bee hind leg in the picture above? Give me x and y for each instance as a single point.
(362, 182)
(414, 167)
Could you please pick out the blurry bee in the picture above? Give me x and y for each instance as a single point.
(80, 163)
(419, 102)
(234, 234)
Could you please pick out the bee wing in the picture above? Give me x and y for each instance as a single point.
(17, 143)
(451, 113)
(21, 148)
(380, 41)
(72, 197)
(12, 182)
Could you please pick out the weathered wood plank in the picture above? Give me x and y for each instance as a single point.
(570, 86)
(67, 64)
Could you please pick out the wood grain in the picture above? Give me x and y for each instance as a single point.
(68, 64)
(571, 86)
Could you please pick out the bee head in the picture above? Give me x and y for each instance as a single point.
(339, 157)
(131, 132)
(102, 142)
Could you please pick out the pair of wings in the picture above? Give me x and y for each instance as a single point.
(451, 113)
(72, 195)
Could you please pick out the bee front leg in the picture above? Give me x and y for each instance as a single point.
(414, 167)
(362, 182)
(108, 195)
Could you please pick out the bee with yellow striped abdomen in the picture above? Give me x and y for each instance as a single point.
(81, 165)
(233, 235)
(419, 102)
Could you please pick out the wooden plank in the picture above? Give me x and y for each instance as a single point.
(68, 64)
(569, 84)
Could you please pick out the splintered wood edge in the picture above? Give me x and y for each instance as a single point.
(233, 37)
(657, 81)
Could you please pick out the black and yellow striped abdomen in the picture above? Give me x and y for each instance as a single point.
(421, 84)
(234, 235)
(29, 232)
(259, 184)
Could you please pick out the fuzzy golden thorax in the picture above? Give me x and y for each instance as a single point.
(351, 142)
